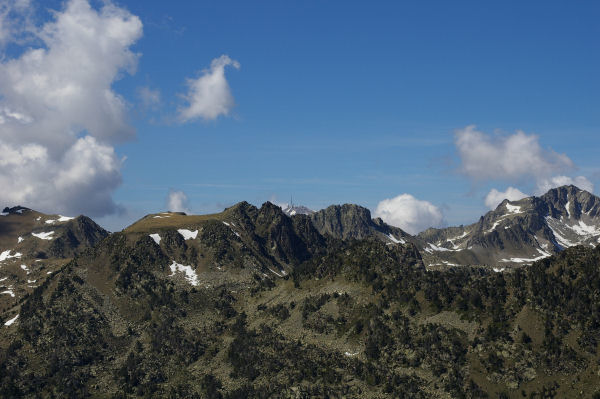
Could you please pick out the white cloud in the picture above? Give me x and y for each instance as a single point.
(547, 184)
(177, 201)
(60, 117)
(409, 213)
(209, 96)
(150, 98)
(515, 156)
(83, 178)
(495, 197)
(15, 20)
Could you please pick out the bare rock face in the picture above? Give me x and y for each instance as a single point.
(344, 221)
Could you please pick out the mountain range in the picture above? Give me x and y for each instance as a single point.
(516, 233)
(252, 302)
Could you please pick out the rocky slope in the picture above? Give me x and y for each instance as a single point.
(520, 232)
(34, 245)
(257, 240)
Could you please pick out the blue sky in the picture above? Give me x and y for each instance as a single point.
(356, 102)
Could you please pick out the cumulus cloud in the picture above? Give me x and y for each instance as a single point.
(209, 96)
(495, 197)
(60, 117)
(177, 201)
(580, 181)
(409, 213)
(514, 156)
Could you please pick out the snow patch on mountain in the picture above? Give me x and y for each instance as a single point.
(190, 274)
(513, 208)
(584, 229)
(453, 239)
(188, 234)
(528, 260)
(433, 247)
(11, 321)
(155, 237)
(395, 240)
(491, 229)
(567, 207)
(44, 236)
(6, 255)
(61, 218)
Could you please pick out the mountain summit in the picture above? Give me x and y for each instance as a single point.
(34, 245)
(521, 232)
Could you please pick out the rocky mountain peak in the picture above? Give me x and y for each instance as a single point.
(521, 232)
(33, 245)
(571, 202)
(344, 221)
(15, 210)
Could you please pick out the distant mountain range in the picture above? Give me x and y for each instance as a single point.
(520, 232)
(515, 233)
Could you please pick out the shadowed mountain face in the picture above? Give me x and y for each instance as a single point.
(520, 232)
(34, 245)
(260, 240)
(350, 221)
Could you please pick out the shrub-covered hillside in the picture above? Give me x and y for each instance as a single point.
(353, 319)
